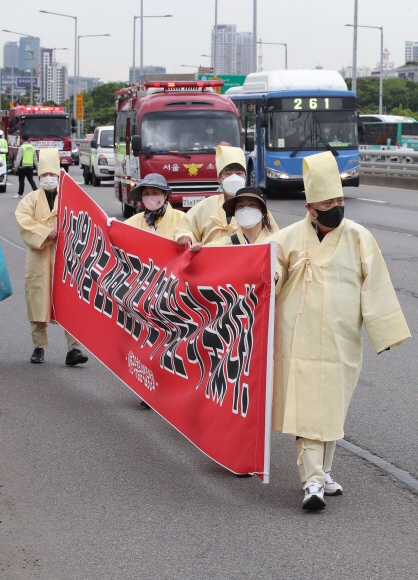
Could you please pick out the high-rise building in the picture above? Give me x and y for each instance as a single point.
(11, 55)
(244, 53)
(411, 51)
(54, 78)
(146, 70)
(226, 49)
(25, 56)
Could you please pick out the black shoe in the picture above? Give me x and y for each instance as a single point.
(75, 357)
(37, 356)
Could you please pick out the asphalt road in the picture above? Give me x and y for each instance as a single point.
(93, 487)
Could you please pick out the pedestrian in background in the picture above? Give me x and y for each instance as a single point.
(36, 218)
(332, 280)
(25, 162)
(4, 147)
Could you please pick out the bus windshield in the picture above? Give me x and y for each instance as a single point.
(42, 127)
(189, 131)
(312, 130)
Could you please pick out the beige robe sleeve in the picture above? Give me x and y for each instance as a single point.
(382, 314)
(33, 233)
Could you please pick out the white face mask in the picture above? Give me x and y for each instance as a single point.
(153, 202)
(233, 183)
(248, 217)
(50, 182)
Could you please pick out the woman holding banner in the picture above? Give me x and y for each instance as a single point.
(250, 211)
(159, 217)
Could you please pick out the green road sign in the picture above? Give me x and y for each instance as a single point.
(229, 81)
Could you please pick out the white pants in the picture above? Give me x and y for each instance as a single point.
(40, 336)
(313, 458)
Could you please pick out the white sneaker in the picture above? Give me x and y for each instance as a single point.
(331, 486)
(314, 496)
(17, 196)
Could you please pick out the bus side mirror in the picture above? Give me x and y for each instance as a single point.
(361, 128)
(249, 143)
(263, 119)
(136, 144)
(93, 144)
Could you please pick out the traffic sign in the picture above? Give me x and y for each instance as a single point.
(79, 106)
(205, 70)
(229, 80)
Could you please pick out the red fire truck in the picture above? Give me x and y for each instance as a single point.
(45, 126)
(172, 128)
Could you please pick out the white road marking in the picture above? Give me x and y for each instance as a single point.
(12, 244)
(372, 200)
(384, 465)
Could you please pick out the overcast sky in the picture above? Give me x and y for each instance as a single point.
(313, 30)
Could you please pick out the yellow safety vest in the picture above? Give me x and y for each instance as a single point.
(3, 145)
(28, 155)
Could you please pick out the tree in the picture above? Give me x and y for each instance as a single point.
(98, 105)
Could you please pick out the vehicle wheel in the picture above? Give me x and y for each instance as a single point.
(127, 210)
(3, 188)
(86, 176)
(251, 177)
(66, 168)
(95, 180)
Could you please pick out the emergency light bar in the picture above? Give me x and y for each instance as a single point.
(31, 109)
(172, 85)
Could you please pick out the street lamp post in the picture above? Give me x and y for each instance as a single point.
(75, 84)
(279, 44)
(27, 49)
(141, 63)
(381, 62)
(78, 65)
(215, 42)
(255, 36)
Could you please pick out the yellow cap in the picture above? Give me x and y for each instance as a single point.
(226, 155)
(321, 177)
(49, 161)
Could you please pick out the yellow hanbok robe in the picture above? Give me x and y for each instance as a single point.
(35, 221)
(206, 221)
(226, 240)
(165, 227)
(327, 290)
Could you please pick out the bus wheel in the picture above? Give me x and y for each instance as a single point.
(251, 177)
(127, 210)
(66, 168)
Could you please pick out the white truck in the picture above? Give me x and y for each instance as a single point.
(97, 157)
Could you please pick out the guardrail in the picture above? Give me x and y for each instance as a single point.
(398, 163)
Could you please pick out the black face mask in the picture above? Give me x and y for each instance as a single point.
(331, 218)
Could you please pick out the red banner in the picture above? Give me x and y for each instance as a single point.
(190, 333)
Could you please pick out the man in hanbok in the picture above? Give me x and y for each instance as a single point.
(36, 218)
(332, 280)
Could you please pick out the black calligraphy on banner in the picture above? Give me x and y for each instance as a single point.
(214, 325)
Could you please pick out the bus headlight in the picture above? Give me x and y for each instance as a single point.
(273, 174)
(350, 173)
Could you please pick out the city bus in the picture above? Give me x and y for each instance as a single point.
(388, 131)
(287, 115)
